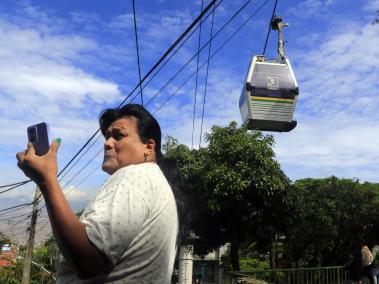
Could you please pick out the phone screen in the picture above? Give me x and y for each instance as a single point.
(38, 135)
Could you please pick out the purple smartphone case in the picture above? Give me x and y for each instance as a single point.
(38, 135)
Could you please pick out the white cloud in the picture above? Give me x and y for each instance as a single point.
(371, 6)
(45, 77)
(309, 8)
(176, 117)
(50, 73)
(72, 194)
(337, 115)
(41, 65)
(41, 79)
(342, 72)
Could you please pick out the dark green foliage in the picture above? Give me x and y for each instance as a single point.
(236, 189)
(4, 239)
(45, 256)
(330, 214)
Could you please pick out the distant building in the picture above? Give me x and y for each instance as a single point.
(193, 269)
(8, 255)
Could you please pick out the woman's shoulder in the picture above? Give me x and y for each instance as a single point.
(135, 168)
(136, 171)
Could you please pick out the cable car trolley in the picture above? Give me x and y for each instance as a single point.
(270, 92)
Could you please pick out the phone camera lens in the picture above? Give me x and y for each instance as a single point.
(32, 134)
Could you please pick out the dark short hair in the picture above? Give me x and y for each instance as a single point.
(147, 126)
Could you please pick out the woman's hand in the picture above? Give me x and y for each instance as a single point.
(41, 169)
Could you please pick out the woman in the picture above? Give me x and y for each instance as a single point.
(355, 268)
(128, 232)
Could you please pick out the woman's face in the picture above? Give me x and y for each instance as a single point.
(123, 145)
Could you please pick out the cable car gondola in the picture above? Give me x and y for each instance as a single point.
(269, 95)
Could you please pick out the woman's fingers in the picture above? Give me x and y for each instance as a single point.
(30, 150)
(55, 146)
(20, 158)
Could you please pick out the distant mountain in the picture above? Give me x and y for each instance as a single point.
(15, 224)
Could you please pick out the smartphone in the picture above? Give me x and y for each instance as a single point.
(38, 135)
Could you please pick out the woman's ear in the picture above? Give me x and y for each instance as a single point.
(150, 147)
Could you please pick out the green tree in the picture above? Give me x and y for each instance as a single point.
(46, 255)
(330, 214)
(4, 239)
(236, 187)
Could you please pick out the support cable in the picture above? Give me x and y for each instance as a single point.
(80, 182)
(177, 49)
(39, 197)
(214, 54)
(65, 167)
(138, 61)
(168, 51)
(15, 184)
(9, 210)
(77, 154)
(20, 221)
(204, 45)
(82, 168)
(197, 76)
(15, 217)
(269, 26)
(87, 176)
(206, 80)
(16, 206)
(81, 156)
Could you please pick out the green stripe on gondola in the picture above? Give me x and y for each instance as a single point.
(272, 100)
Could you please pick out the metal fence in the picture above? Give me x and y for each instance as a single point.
(319, 275)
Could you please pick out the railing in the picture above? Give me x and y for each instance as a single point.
(319, 275)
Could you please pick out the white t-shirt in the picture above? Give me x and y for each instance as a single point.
(133, 220)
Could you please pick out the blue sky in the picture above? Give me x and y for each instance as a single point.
(64, 61)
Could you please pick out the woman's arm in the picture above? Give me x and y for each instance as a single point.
(69, 232)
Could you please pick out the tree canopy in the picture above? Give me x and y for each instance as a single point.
(329, 215)
(236, 187)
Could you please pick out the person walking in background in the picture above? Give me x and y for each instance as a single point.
(356, 268)
(128, 233)
(369, 268)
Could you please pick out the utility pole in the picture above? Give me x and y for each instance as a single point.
(185, 264)
(29, 245)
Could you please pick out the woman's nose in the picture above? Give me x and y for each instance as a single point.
(108, 144)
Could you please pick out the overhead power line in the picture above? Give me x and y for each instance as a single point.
(214, 54)
(170, 49)
(166, 53)
(15, 184)
(15, 217)
(83, 167)
(81, 156)
(197, 77)
(14, 208)
(269, 26)
(60, 173)
(204, 45)
(177, 49)
(136, 37)
(206, 80)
